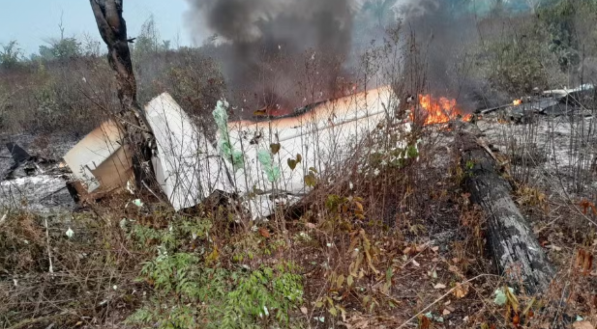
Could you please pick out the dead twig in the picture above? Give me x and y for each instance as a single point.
(48, 246)
(29, 322)
(440, 299)
(3, 219)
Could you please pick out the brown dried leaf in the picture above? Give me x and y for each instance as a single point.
(264, 232)
(275, 148)
(583, 325)
(580, 258)
(421, 247)
(340, 281)
(588, 264)
(310, 180)
(586, 204)
(516, 320)
(461, 290)
(512, 300)
(584, 261)
(349, 280)
(360, 208)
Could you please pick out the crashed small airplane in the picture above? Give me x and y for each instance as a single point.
(272, 157)
(265, 162)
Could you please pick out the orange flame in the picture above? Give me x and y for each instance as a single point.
(517, 102)
(440, 110)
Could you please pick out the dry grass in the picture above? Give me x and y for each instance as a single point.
(374, 250)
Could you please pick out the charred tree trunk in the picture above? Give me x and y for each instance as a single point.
(131, 117)
(515, 248)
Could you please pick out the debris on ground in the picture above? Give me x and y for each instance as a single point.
(35, 183)
(556, 102)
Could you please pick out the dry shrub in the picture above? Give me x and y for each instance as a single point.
(515, 55)
(74, 96)
(57, 97)
(192, 78)
(47, 277)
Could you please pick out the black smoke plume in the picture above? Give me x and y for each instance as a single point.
(277, 52)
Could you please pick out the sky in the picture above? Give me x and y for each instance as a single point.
(33, 22)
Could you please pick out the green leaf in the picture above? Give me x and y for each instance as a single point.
(412, 152)
(299, 158)
(333, 311)
(313, 170)
(389, 274)
(272, 172)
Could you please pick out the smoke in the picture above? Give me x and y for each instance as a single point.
(442, 32)
(288, 53)
(269, 47)
(446, 34)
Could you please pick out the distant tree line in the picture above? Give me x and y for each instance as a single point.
(65, 48)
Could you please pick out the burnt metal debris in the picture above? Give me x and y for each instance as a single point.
(190, 168)
(556, 102)
(35, 183)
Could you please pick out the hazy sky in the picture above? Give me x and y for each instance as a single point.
(32, 22)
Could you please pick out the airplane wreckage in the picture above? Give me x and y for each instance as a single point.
(264, 162)
(264, 159)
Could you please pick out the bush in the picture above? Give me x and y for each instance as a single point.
(10, 55)
(191, 290)
(52, 97)
(519, 59)
(69, 89)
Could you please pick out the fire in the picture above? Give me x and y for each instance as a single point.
(440, 110)
(517, 102)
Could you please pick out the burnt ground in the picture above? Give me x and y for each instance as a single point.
(51, 146)
(553, 161)
(45, 189)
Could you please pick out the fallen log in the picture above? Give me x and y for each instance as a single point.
(514, 246)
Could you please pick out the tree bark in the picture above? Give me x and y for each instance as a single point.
(512, 242)
(131, 117)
